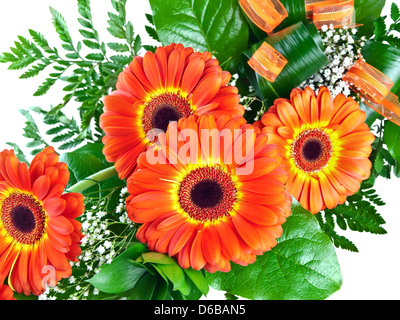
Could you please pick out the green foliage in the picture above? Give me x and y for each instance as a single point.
(216, 26)
(87, 76)
(358, 213)
(366, 11)
(88, 160)
(385, 32)
(139, 274)
(303, 265)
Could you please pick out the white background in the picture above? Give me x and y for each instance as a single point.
(373, 273)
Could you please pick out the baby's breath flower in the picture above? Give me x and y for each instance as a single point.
(342, 51)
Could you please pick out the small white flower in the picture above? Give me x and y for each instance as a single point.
(107, 244)
(336, 38)
(324, 28)
(346, 91)
(100, 249)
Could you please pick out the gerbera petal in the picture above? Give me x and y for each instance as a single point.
(228, 240)
(211, 245)
(180, 238)
(192, 74)
(152, 71)
(54, 206)
(288, 115)
(41, 187)
(197, 260)
(325, 105)
(258, 214)
(206, 90)
(247, 231)
(316, 201)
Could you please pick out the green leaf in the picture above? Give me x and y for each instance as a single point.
(175, 274)
(158, 258)
(152, 32)
(86, 161)
(302, 47)
(198, 279)
(95, 56)
(366, 11)
(118, 47)
(60, 26)
(303, 265)
(394, 11)
(217, 26)
(391, 136)
(120, 275)
(380, 28)
(144, 288)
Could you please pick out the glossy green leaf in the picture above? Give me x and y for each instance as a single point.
(145, 287)
(303, 265)
(391, 136)
(217, 26)
(302, 47)
(120, 275)
(198, 279)
(366, 12)
(175, 274)
(89, 160)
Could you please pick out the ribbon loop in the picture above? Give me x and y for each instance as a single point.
(374, 87)
(265, 14)
(267, 62)
(338, 13)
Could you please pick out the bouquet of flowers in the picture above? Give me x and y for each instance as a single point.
(228, 154)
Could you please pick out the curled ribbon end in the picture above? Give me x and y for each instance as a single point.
(338, 13)
(265, 14)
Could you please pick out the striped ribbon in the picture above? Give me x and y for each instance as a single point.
(267, 62)
(265, 14)
(338, 13)
(374, 87)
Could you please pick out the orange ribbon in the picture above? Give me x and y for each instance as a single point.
(267, 62)
(265, 14)
(374, 87)
(338, 13)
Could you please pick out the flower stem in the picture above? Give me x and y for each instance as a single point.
(93, 179)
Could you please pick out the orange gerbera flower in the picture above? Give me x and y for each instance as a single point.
(326, 145)
(158, 88)
(6, 293)
(209, 202)
(38, 230)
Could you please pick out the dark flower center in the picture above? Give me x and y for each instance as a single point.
(23, 219)
(206, 194)
(311, 150)
(163, 116)
(164, 108)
